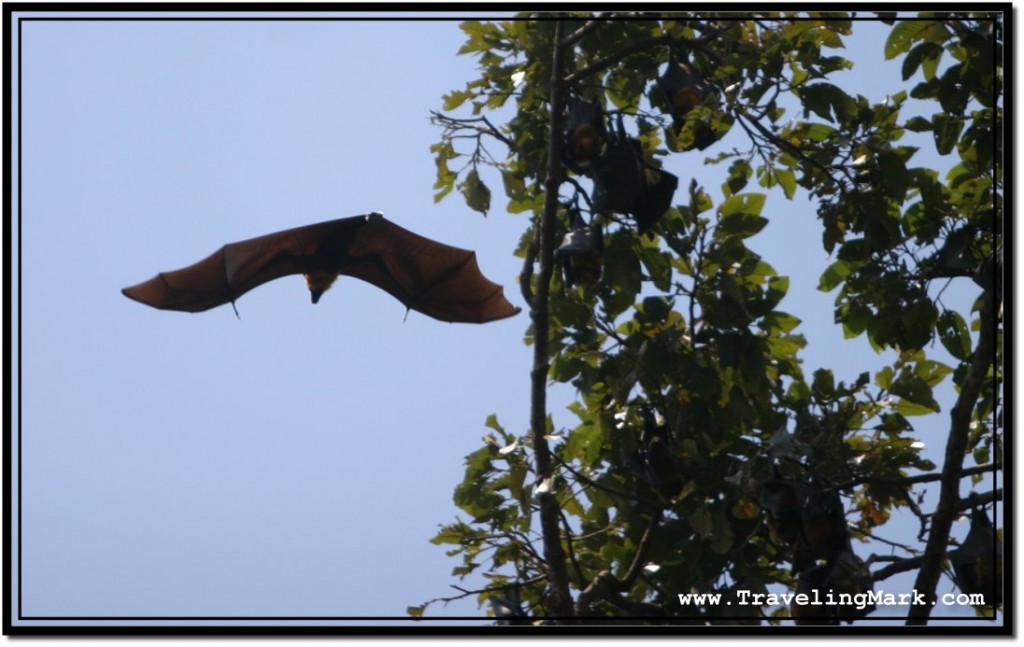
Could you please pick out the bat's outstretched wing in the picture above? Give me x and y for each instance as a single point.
(438, 280)
(236, 268)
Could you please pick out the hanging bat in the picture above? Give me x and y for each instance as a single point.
(844, 572)
(807, 518)
(824, 531)
(624, 183)
(783, 502)
(683, 90)
(656, 456)
(978, 562)
(582, 254)
(440, 281)
(584, 133)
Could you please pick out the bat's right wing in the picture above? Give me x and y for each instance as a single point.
(236, 268)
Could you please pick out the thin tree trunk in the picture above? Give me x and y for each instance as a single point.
(560, 600)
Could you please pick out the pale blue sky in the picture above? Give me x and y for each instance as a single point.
(297, 461)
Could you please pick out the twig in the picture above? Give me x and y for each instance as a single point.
(604, 488)
(641, 551)
(471, 123)
(914, 480)
(580, 577)
(583, 31)
(465, 593)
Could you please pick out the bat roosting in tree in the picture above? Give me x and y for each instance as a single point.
(440, 281)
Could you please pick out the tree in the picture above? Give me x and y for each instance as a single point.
(704, 459)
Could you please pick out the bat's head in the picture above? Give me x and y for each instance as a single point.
(319, 282)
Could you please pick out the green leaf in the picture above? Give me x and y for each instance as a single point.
(723, 536)
(450, 534)
(654, 309)
(913, 391)
(918, 321)
(739, 174)
(855, 319)
(883, 378)
(781, 321)
(564, 368)
(622, 277)
(953, 92)
(918, 124)
(931, 372)
(659, 266)
(515, 186)
(787, 180)
(701, 522)
(925, 55)
(833, 275)
(954, 335)
(478, 33)
(947, 129)
(478, 196)
(740, 215)
(905, 34)
(828, 102)
(824, 385)
(909, 408)
(456, 98)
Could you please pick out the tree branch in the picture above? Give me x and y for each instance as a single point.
(956, 445)
(583, 31)
(899, 566)
(641, 552)
(920, 478)
(526, 276)
(608, 587)
(453, 124)
(606, 62)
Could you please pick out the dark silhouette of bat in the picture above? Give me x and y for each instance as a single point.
(807, 517)
(581, 253)
(584, 133)
(655, 455)
(684, 90)
(844, 572)
(978, 562)
(440, 281)
(625, 184)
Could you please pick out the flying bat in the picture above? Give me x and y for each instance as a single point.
(438, 280)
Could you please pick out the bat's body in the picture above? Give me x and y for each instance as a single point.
(438, 280)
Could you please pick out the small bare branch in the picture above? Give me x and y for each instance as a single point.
(583, 31)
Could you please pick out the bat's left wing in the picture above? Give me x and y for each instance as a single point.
(439, 280)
